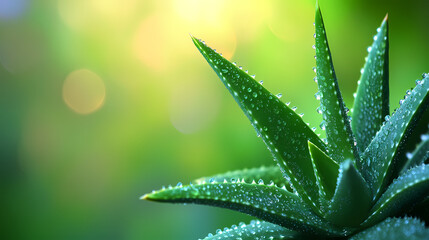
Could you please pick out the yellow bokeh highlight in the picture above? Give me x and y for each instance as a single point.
(84, 91)
(95, 14)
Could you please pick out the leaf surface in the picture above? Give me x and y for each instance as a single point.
(352, 199)
(266, 174)
(266, 202)
(384, 157)
(335, 120)
(254, 230)
(282, 130)
(395, 228)
(409, 189)
(372, 97)
(326, 171)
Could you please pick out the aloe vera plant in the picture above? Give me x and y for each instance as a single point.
(363, 181)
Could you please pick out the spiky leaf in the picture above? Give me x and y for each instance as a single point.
(283, 131)
(384, 158)
(335, 119)
(409, 189)
(326, 171)
(419, 156)
(266, 202)
(372, 97)
(395, 228)
(266, 174)
(255, 230)
(352, 199)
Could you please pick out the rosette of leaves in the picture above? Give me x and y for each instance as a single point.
(363, 181)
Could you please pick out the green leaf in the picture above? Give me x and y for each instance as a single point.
(420, 154)
(282, 130)
(335, 120)
(326, 171)
(254, 230)
(267, 174)
(372, 97)
(384, 157)
(395, 228)
(267, 202)
(409, 189)
(352, 199)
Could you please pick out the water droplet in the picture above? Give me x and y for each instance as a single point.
(409, 155)
(323, 125)
(354, 95)
(261, 82)
(418, 82)
(313, 128)
(314, 35)
(369, 49)
(179, 184)
(378, 29)
(234, 63)
(375, 38)
(287, 104)
(253, 76)
(279, 95)
(261, 181)
(318, 95)
(319, 110)
(387, 117)
(401, 101)
(425, 75)
(314, 46)
(294, 108)
(362, 70)
(240, 67)
(301, 114)
(212, 180)
(255, 94)
(314, 69)
(315, 79)
(424, 137)
(224, 70)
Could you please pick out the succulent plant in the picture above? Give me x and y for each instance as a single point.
(369, 179)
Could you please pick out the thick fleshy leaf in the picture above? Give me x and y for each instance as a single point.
(282, 130)
(267, 202)
(419, 156)
(267, 174)
(395, 228)
(326, 171)
(352, 199)
(335, 120)
(372, 97)
(384, 157)
(409, 189)
(254, 230)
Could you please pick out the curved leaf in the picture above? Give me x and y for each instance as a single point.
(282, 130)
(266, 202)
(254, 230)
(372, 97)
(267, 174)
(395, 228)
(352, 199)
(335, 120)
(384, 157)
(409, 189)
(420, 154)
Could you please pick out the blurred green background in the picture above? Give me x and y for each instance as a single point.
(104, 100)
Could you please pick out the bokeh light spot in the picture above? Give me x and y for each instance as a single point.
(84, 91)
(192, 108)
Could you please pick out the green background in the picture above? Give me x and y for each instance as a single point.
(77, 151)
